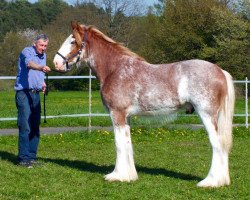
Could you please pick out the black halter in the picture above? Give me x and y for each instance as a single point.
(78, 53)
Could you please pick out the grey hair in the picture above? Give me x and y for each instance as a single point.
(41, 36)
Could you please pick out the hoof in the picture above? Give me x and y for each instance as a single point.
(114, 176)
(211, 182)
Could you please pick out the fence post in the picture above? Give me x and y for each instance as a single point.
(90, 99)
(246, 100)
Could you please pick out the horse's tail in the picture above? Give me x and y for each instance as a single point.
(226, 112)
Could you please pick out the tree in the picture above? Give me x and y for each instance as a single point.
(11, 47)
(14, 17)
(231, 44)
(120, 18)
(47, 10)
(207, 29)
(20, 14)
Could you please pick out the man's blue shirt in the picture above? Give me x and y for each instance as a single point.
(28, 78)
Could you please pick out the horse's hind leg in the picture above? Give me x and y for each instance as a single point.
(219, 172)
(124, 166)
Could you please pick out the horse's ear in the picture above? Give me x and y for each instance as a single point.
(78, 37)
(74, 25)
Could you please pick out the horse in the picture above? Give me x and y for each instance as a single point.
(131, 86)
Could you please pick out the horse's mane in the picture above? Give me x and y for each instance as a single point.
(117, 46)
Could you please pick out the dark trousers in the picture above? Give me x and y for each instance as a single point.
(28, 121)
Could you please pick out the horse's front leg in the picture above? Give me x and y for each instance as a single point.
(124, 166)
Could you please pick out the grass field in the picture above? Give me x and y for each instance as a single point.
(169, 164)
(76, 102)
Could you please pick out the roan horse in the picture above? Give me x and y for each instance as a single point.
(132, 86)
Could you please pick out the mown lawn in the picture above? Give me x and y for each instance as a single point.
(169, 164)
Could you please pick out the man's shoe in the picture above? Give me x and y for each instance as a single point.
(26, 164)
(36, 164)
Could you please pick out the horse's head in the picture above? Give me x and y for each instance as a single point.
(72, 49)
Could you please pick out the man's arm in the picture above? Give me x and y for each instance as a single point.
(33, 65)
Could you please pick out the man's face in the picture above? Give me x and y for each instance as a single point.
(41, 46)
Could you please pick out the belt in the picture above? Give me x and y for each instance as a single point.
(32, 90)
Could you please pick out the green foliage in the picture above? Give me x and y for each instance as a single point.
(181, 30)
(20, 14)
(230, 43)
(209, 30)
(16, 15)
(47, 10)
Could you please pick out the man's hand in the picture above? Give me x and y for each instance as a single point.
(33, 65)
(44, 88)
(46, 69)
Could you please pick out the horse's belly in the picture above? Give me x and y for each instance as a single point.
(137, 110)
(158, 112)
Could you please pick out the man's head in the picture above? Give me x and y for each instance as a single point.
(41, 43)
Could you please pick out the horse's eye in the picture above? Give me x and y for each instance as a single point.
(73, 42)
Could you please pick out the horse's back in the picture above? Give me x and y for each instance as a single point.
(194, 69)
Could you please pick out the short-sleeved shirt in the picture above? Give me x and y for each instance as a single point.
(28, 78)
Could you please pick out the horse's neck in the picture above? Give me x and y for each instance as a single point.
(102, 62)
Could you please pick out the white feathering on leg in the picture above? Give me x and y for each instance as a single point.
(124, 167)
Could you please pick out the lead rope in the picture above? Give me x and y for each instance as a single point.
(47, 91)
(44, 96)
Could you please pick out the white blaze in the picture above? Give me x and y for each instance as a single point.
(64, 50)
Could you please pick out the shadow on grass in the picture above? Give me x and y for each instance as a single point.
(93, 168)
(79, 165)
(168, 173)
(4, 155)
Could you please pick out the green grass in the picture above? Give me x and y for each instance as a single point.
(76, 102)
(58, 103)
(169, 164)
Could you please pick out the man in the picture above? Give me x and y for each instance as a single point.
(29, 83)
